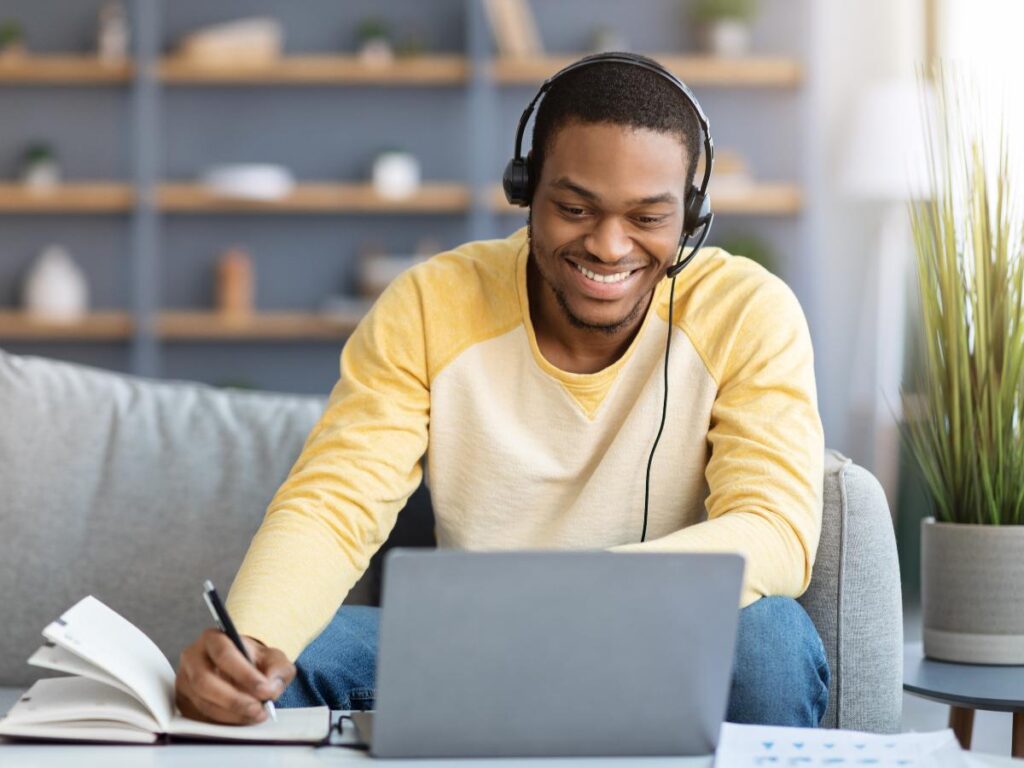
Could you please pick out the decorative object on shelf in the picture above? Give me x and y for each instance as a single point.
(732, 175)
(12, 39)
(40, 169)
(55, 288)
(396, 174)
(514, 28)
(377, 268)
(604, 38)
(725, 26)
(256, 41)
(964, 404)
(112, 34)
(373, 42)
(249, 181)
(750, 245)
(236, 284)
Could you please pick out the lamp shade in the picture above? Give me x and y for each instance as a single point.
(885, 157)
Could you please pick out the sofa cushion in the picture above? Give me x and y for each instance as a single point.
(132, 490)
(854, 599)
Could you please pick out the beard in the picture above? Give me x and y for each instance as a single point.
(608, 329)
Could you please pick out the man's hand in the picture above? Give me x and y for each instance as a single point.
(215, 683)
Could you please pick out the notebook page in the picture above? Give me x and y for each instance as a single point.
(56, 658)
(85, 730)
(307, 725)
(104, 638)
(62, 700)
(774, 746)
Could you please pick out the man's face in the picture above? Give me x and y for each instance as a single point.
(605, 220)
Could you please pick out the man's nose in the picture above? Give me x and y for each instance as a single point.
(609, 240)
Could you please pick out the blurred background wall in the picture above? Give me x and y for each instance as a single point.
(132, 142)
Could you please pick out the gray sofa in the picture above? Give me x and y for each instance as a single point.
(136, 490)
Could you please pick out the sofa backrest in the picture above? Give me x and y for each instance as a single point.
(132, 490)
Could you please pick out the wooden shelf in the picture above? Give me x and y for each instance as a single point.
(57, 69)
(777, 199)
(96, 326)
(317, 198)
(261, 326)
(322, 70)
(72, 197)
(761, 71)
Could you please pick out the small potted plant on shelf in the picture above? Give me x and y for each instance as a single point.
(12, 39)
(373, 39)
(724, 25)
(964, 412)
(40, 169)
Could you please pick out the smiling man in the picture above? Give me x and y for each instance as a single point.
(528, 371)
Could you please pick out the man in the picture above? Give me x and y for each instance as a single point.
(528, 371)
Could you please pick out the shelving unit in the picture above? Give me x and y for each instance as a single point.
(756, 71)
(317, 197)
(261, 326)
(72, 197)
(322, 70)
(62, 69)
(96, 326)
(165, 208)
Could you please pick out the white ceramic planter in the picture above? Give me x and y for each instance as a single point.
(726, 37)
(972, 592)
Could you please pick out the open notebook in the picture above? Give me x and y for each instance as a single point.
(123, 691)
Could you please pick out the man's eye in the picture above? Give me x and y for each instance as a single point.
(572, 210)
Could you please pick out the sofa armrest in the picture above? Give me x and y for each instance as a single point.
(855, 601)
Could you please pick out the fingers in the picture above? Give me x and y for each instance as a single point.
(213, 696)
(276, 667)
(222, 654)
(206, 690)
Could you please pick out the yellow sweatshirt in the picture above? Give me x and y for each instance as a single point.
(523, 455)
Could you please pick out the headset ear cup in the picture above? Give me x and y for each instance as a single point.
(698, 209)
(516, 182)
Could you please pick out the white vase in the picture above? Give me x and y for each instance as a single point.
(55, 288)
(727, 37)
(396, 175)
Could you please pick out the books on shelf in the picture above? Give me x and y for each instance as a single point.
(120, 688)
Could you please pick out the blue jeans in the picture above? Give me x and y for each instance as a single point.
(780, 673)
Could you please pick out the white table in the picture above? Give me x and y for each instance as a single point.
(21, 755)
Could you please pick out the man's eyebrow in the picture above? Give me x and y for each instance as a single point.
(571, 186)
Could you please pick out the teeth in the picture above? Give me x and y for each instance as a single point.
(616, 278)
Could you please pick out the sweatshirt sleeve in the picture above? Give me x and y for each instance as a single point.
(359, 465)
(767, 453)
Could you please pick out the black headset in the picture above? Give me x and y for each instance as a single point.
(518, 184)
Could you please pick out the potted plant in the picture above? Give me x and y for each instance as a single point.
(725, 25)
(965, 413)
(373, 36)
(12, 38)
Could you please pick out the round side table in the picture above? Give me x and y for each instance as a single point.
(966, 688)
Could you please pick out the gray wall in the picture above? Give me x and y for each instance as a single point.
(460, 133)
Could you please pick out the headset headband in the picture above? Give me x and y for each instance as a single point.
(635, 60)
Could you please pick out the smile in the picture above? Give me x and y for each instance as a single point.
(618, 277)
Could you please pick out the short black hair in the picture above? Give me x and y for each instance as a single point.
(620, 94)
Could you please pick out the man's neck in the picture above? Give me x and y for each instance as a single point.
(567, 346)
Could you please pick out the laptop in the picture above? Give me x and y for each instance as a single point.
(539, 653)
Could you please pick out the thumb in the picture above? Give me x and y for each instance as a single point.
(273, 663)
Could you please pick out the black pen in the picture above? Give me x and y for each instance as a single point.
(220, 615)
